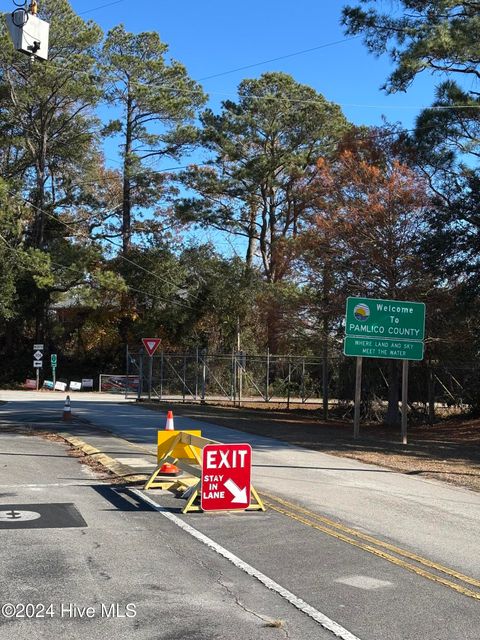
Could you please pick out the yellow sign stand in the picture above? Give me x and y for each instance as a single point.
(184, 449)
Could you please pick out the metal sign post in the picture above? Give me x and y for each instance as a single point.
(150, 376)
(404, 400)
(358, 397)
(151, 345)
(37, 362)
(53, 362)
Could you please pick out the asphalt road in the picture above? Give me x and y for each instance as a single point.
(348, 570)
(108, 549)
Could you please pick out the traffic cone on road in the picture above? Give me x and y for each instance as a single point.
(167, 468)
(67, 410)
(169, 425)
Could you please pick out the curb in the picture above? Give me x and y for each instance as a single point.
(119, 469)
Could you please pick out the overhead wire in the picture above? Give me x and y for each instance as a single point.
(108, 240)
(80, 272)
(260, 63)
(102, 6)
(282, 57)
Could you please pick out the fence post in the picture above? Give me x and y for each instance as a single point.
(267, 382)
(140, 375)
(161, 374)
(128, 369)
(431, 396)
(240, 377)
(233, 378)
(304, 399)
(289, 380)
(204, 375)
(325, 383)
(184, 375)
(196, 373)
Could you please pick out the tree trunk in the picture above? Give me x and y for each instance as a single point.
(39, 199)
(272, 328)
(127, 186)
(252, 239)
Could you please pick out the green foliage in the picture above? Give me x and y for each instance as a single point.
(48, 107)
(263, 146)
(158, 102)
(437, 35)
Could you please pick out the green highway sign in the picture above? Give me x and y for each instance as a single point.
(392, 329)
(392, 319)
(53, 359)
(383, 348)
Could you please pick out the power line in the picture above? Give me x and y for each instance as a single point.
(109, 240)
(70, 268)
(102, 6)
(256, 64)
(284, 57)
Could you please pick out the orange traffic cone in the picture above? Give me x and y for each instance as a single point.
(168, 469)
(67, 410)
(169, 425)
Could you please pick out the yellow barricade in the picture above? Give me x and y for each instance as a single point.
(166, 442)
(184, 449)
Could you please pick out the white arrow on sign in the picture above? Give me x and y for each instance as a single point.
(239, 495)
(37, 364)
(38, 355)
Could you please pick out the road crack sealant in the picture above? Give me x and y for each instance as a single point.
(217, 576)
(269, 622)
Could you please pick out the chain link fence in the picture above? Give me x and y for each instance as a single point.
(240, 378)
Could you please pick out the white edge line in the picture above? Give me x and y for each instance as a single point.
(297, 602)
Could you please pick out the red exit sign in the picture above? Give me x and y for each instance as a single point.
(226, 477)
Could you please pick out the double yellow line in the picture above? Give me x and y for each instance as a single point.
(384, 550)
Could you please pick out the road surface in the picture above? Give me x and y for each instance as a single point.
(384, 555)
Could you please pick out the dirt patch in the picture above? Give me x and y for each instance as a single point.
(94, 465)
(83, 458)
(448, 450)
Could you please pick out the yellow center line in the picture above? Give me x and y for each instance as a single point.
(294, 512)
(379, 543)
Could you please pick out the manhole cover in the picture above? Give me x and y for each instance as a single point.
(40, 516)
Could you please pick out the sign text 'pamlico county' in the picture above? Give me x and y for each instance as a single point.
(398, 320)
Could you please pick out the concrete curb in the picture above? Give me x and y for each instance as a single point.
(120, 470)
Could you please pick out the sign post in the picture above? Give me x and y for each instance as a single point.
(151, 345)
(37, 362)
(226, 477)
(390, 329)
(53, 362)
(358, 396)
(404, 400)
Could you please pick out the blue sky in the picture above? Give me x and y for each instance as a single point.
(214, 36)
